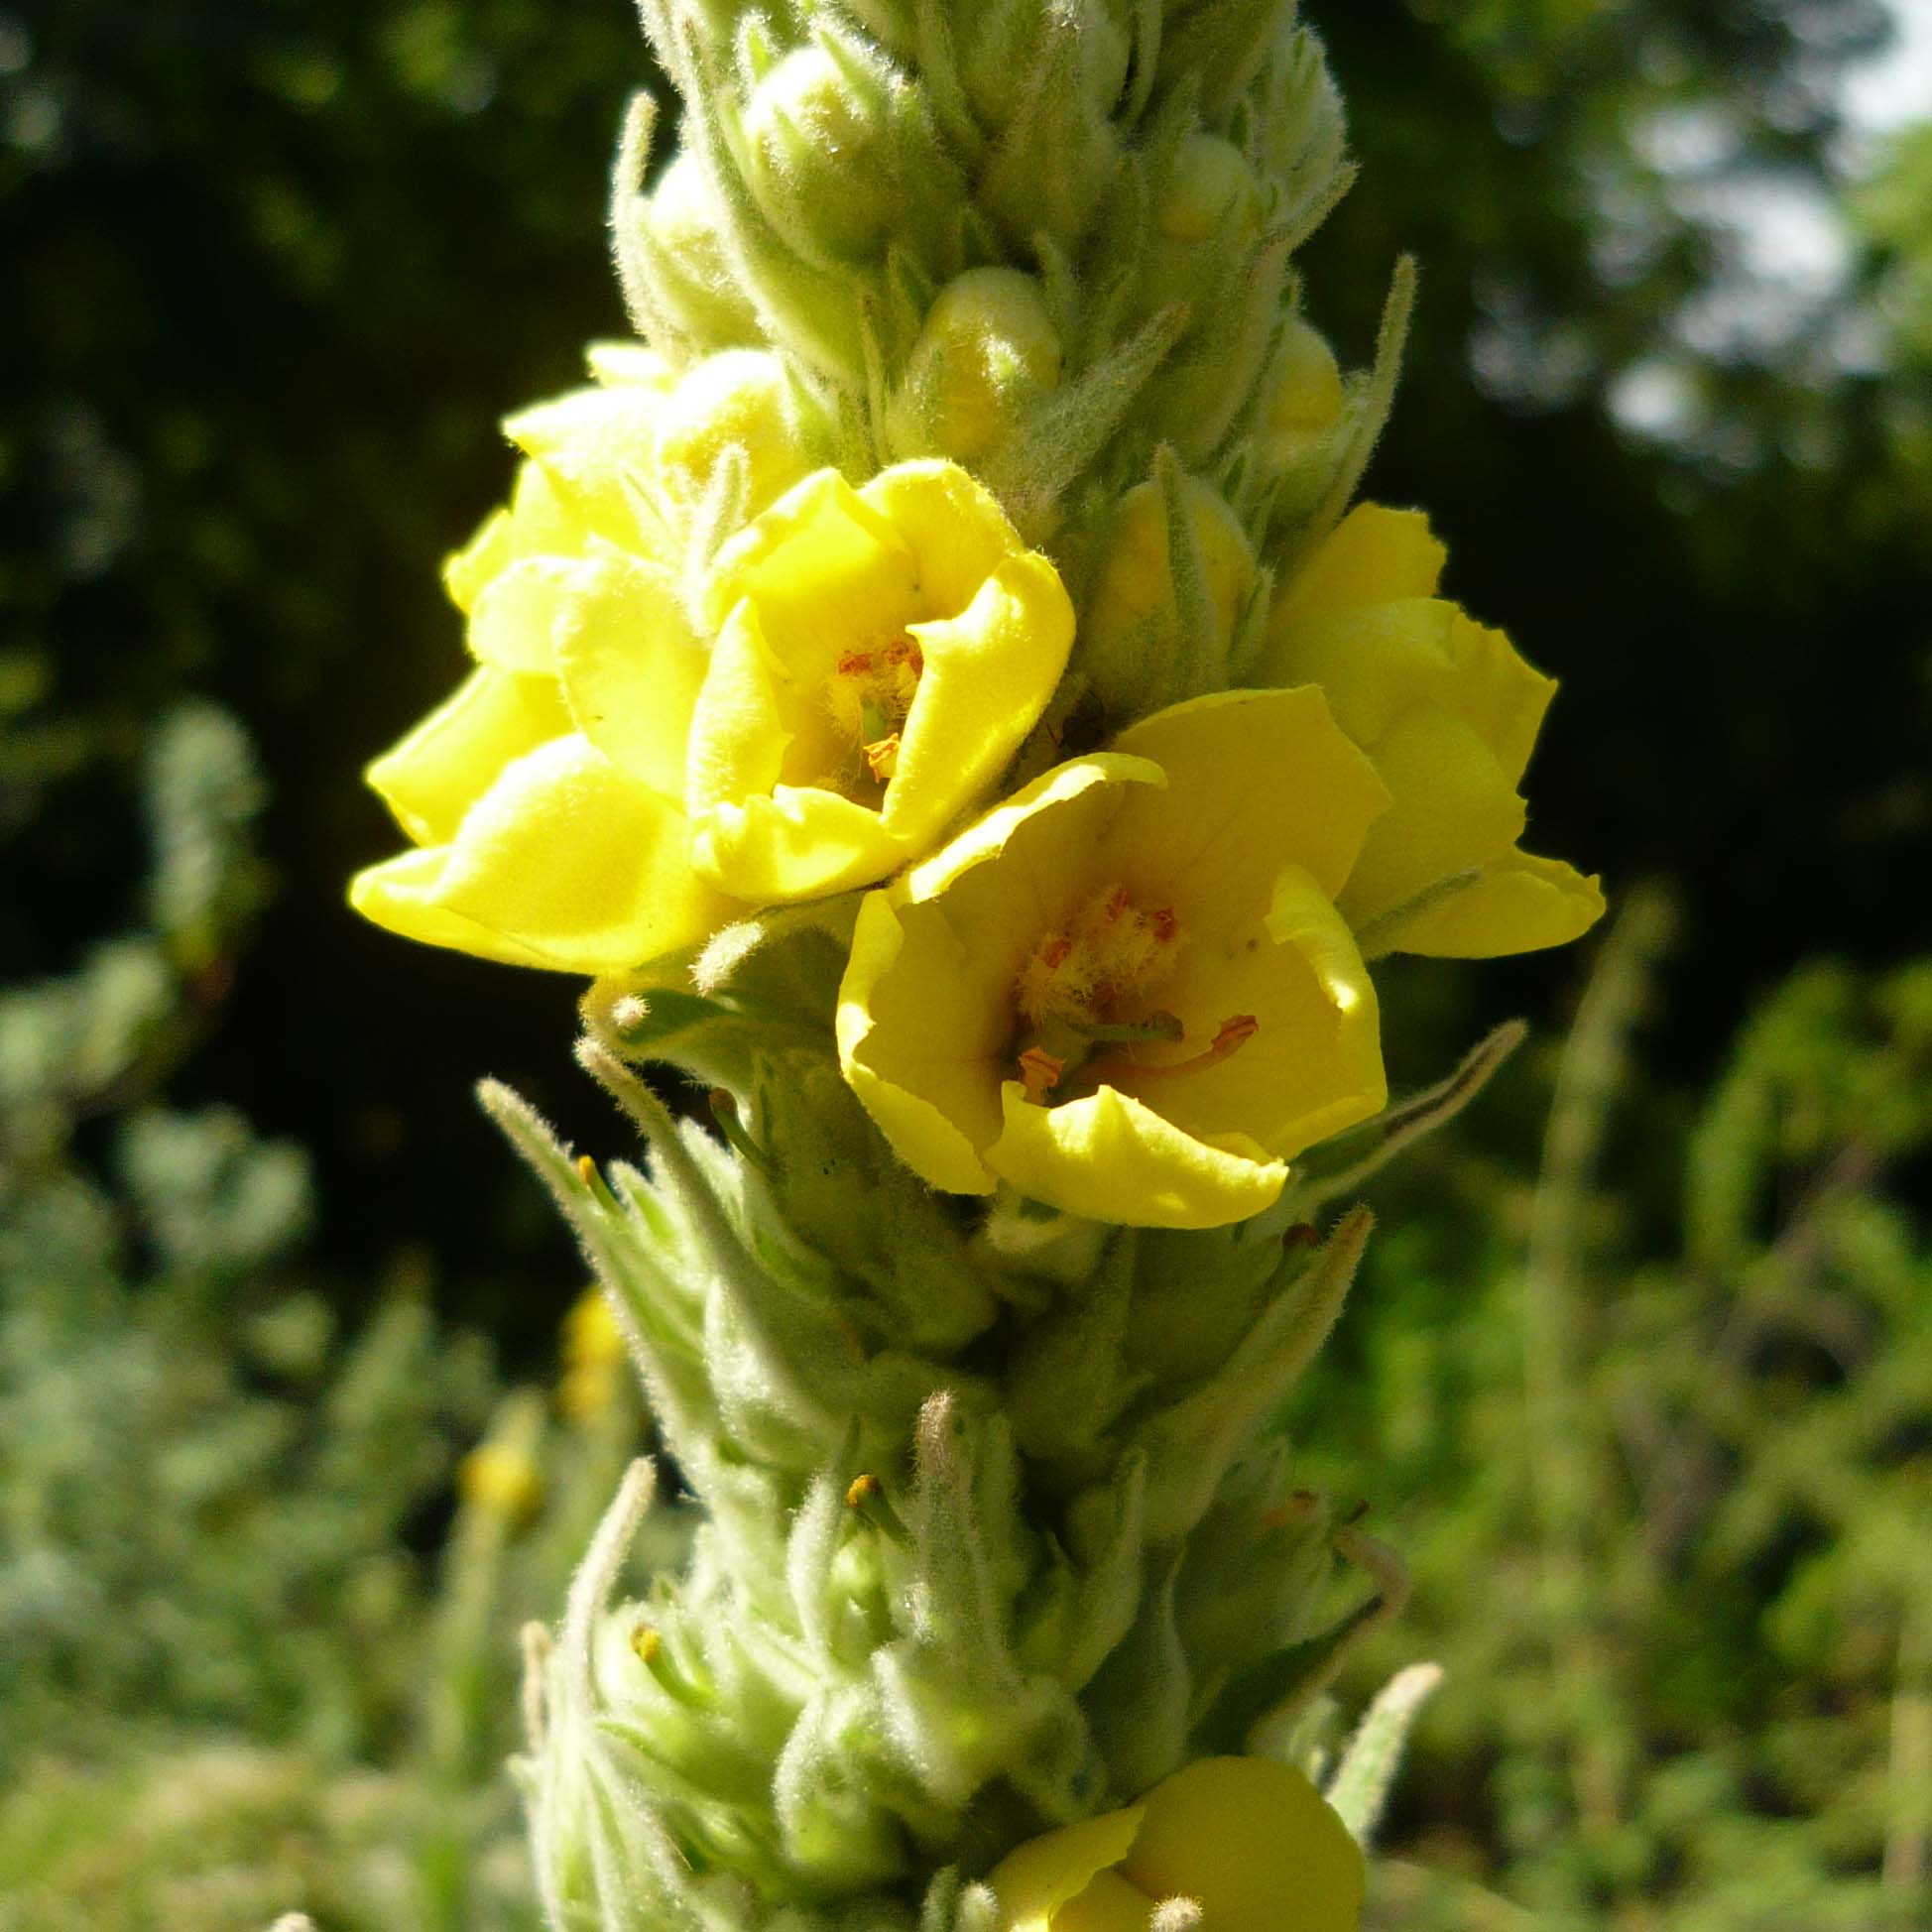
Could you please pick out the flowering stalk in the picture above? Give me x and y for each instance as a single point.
(930, 685)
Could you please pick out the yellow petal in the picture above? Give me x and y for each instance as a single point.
(616, 363)
(923, 551)
(925, 1009)
(630, 664)
(1373, 555)
(1108, 1904)
(1520, 903)
(989, 673)
(740, 398)
(793, 842)
(820, 538)
(513, 619)
(402, 895)
(466, 571)
(564, 862)
(431, 777)
(1454, 808)
(1108, 1157)
(1313, 1066)
(923, 1134)
(1380, 662)
(1255, 1842)
(1044, 1874)
(1269, 780)
(1499, 693)
(594, 447)
(951, 524)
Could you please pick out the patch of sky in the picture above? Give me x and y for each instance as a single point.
(1780, 292)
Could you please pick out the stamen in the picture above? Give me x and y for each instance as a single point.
(1157, 1026)
(869, 697)
(1039, 1073)
(882, 756)
(1234, 1034)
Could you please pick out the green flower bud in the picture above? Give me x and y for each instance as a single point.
(987, 350)
(1302, 400)
(1207, 218)
(1003, 46)
(690, 273)
(1134, 628)
(817, 137)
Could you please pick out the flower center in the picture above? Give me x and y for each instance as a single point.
(1082, 980)
(869, 694)
(1082, 973)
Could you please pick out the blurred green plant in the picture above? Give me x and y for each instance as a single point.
(1690, 1468)
(235, 1680)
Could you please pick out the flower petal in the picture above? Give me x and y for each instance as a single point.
(795, 842)
(513, 620)
(1520, 903)
(1269, 780)
(1380, 663)
(1455, 807)
(1314, 1063)
(1373, 555)
(630, 664)
(925, 1009)
(593, 446)
(989, 673)
(952, 524)
(433, 777)
(1046, 1872)
(565, 862)
(1110, 1157)
(819, 540)
(1254, 1843)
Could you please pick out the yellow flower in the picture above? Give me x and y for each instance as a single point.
(1248, 1840)
(1125, 991)
(501, 1479)
(545, 796)
(881, 654)
(1449, 712)
(593, 1358)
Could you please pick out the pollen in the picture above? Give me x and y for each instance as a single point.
(1111, 951)
(869, 697)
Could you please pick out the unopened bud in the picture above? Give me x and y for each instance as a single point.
(1303, 401)
(1131, 624)
(816, 132)
(987, 350)
(1207, 218)
(690, 271)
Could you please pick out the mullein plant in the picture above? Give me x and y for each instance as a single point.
(934, 686)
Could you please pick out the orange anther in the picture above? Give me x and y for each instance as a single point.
(1234, 1034)
(854, 663)
(882, 756)
(1119, 901)
(1054, 952)
(1166, 926)
(1039, 1073)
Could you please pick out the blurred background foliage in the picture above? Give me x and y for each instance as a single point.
(1645, 1353)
